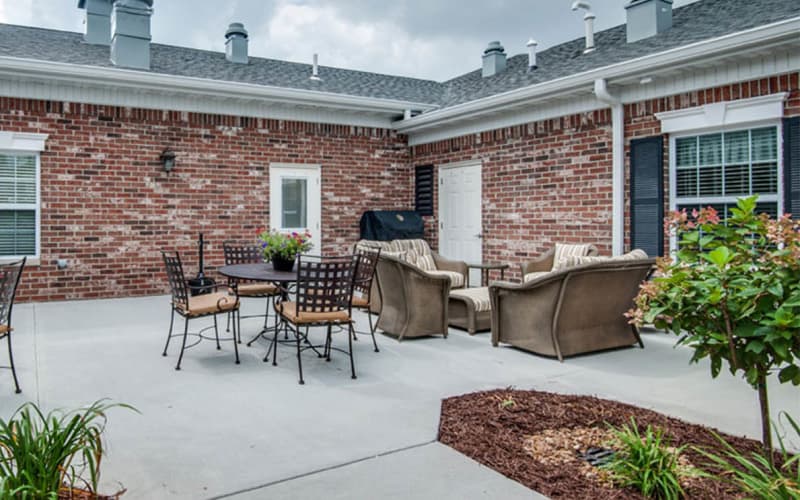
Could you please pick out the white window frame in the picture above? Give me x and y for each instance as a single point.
(26, 144)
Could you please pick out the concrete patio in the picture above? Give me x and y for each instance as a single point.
(216, 429)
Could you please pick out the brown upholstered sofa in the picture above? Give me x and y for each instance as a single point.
(414, 302)
(418, 253)
(571, 311)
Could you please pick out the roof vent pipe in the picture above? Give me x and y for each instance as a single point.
(494, 59)
(532, 54)
(236, 44)
(315, 69)
(588, 20)
(98, 21)
(130, 33)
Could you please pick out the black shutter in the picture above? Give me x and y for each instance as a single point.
(647, 195)
(423, 190)
(791, 166)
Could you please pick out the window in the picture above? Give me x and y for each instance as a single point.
(19, 204)
(716, 169)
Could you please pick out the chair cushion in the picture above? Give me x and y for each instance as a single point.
(360, 301)
(257, 289)
(289, 311)
(383, 245)
(426, 262)
(577, 261)
(562, 252)
(456, 279)
(412, 257)
(211, 303)
(418, 245)
(533, 276)
(478, 296)
(5, 329)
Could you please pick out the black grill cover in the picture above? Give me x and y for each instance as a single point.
(385, 225)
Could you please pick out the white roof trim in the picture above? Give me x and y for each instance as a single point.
(722, 114)
(19, 141)
(785, 30)
(159, 82)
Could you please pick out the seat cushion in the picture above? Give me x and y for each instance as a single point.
(211, 303)
(456, 279)
(360, 301)
(257, 289)
(5, 329)
(418, 245)
(578, 261)
(533, 276)
(479, 297)
(289, 311)
(426, 262)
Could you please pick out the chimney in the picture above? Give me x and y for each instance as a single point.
(588, 20)
(130, 33)
(532, 54)
(494, 59)
(236, 44)
(98, 21)
(647, 18)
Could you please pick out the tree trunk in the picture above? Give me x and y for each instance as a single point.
(766, 424)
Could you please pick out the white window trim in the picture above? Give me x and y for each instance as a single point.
(21, 143)
(673, 169)
(742, 113)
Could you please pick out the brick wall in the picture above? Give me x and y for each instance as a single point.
(108, 207)
(543, 182)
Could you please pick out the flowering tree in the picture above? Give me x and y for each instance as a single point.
(732, 293)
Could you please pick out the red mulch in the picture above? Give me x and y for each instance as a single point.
(477, 426)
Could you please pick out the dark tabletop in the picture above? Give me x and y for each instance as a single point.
(256, 272)
(488, 265)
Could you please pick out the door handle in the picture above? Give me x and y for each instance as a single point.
(479, 235)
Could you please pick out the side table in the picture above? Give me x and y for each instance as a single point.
(485, 268)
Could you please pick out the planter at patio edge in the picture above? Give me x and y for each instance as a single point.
(281, 264)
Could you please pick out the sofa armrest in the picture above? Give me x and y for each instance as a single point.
(541, 264)
(457, 266)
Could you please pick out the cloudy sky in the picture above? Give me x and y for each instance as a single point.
(436, 39)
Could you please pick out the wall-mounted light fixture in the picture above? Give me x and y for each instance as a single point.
(168, 160)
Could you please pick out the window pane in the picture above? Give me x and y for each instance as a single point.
(293, 211)
(686, 152)
(17, 232)
(711, 149)
(765, 178)
(687, 182)
(737, 147)
(711, 181)
(737, 179)
(17, 179)
(769, 208)
(765, 145)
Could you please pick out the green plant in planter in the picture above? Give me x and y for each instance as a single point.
(41, 454)
(755, 475)
(732, 293)
(285, 246)
(646, 462)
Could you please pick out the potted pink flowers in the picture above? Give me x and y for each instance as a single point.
(282, 248)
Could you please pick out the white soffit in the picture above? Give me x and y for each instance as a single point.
(18, 141)
(723, 114)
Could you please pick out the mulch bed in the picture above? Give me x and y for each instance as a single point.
(481, 427)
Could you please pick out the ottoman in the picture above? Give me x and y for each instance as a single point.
(470, 309)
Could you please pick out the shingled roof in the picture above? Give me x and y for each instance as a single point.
(692, 23)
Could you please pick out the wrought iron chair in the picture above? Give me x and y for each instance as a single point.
(324, 289)
(9, 280)
(362, 284)
(242, 253)
(199, 306)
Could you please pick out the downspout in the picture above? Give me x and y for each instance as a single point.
(618, 164)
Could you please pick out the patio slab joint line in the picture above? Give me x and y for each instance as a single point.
(324, 469)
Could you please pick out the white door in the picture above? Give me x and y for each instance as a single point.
(295, 200)
(460, 232)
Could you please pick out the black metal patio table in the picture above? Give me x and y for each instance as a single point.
(259, 272)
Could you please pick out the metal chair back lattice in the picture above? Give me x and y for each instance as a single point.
(10, 275)
(363, 279)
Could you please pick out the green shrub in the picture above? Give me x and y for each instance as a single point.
(646, 462)
(755, 475)
(40, 454)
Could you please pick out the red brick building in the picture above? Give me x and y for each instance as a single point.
(575, 143)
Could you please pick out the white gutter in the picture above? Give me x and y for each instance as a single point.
(83, 75)
(618, 164)
(761, 36)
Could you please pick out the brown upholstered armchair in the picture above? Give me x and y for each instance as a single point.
(550, 260)
(576, 310)
(414, 301)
